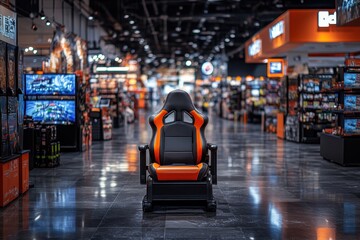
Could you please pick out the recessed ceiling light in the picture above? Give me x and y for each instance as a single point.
(232, 35)
(256, 24)
(91, 18)
(131, 21)
(126, 16)
(178, 29)
(137, 32)
(196, 31)
(227, 40)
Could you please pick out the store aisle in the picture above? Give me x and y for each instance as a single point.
(268, 189)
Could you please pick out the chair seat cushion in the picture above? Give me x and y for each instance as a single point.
(178, 172)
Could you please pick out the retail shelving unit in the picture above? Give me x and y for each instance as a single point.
(108, 87)
(309, 107)
(292, 118)
(255, 96)
(316, 103)
(341, 144)
(272, 105)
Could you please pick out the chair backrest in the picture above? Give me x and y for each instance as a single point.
(178, 132)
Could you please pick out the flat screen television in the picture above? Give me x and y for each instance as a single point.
(352, 126)
(276, 67)
(351, 80)
(351, 102)
(50, 84)
(51, 111)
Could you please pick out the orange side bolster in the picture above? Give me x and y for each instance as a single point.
(199, 121)
(158, 121)
(177, 173)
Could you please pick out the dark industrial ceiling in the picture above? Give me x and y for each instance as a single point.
(192, 28)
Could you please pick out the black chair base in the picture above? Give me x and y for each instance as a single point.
(179, 191)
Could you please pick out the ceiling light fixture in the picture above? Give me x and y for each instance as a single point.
(232, 35)
(34, 27)
(126, 16)
(196, 31)
(91, 18)
(31, 48)
(35, 51)
(131, 21)
(188, 63)
(48, 23)
(137, 32)
(26, 49)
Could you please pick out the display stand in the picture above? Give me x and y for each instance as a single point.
(24, 171)
(9, 184)
(341, 144)
(342, 150)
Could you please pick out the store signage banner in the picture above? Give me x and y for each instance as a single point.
(7, 26)
(276, 30)
(325, 19)
(255, 47)
(207, 68)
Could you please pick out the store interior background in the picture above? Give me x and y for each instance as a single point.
(128, 56)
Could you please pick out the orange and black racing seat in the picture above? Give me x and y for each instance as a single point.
(179, 167)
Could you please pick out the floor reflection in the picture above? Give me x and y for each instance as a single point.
(268, 189)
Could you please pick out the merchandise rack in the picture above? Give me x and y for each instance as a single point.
(341, 144)
(309, 107)
(272, 105)
(255, 96)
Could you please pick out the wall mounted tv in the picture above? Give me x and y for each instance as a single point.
(351, 80)
(50, 84)
(351, 102)
(352, 126)
(51, 111)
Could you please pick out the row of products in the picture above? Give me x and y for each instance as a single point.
(47, 148)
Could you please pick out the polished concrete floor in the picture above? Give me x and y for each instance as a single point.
(267, 189)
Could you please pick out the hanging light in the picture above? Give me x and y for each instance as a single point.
(48, 23)
(34, 27)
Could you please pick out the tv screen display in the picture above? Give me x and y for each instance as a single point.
(276, 67)
(352, 126)
(351, 102)
(352, 80)
(347, 11)
(50, 84)
(51, 111)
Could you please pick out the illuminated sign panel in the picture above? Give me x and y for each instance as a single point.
(325, 19)
(207, 68)
(276, 30)
(7, 25)
(255, 47)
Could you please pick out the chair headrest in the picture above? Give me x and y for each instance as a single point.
(178, 100)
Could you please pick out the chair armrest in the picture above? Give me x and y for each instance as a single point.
(142, 150)
(213, 161)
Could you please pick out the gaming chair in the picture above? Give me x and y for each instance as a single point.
(179, 166)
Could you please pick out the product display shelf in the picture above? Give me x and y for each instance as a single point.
(341, 143)
(109, 87)
(255, 96)
(292, 102)
(272, 106)
(311, 100)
